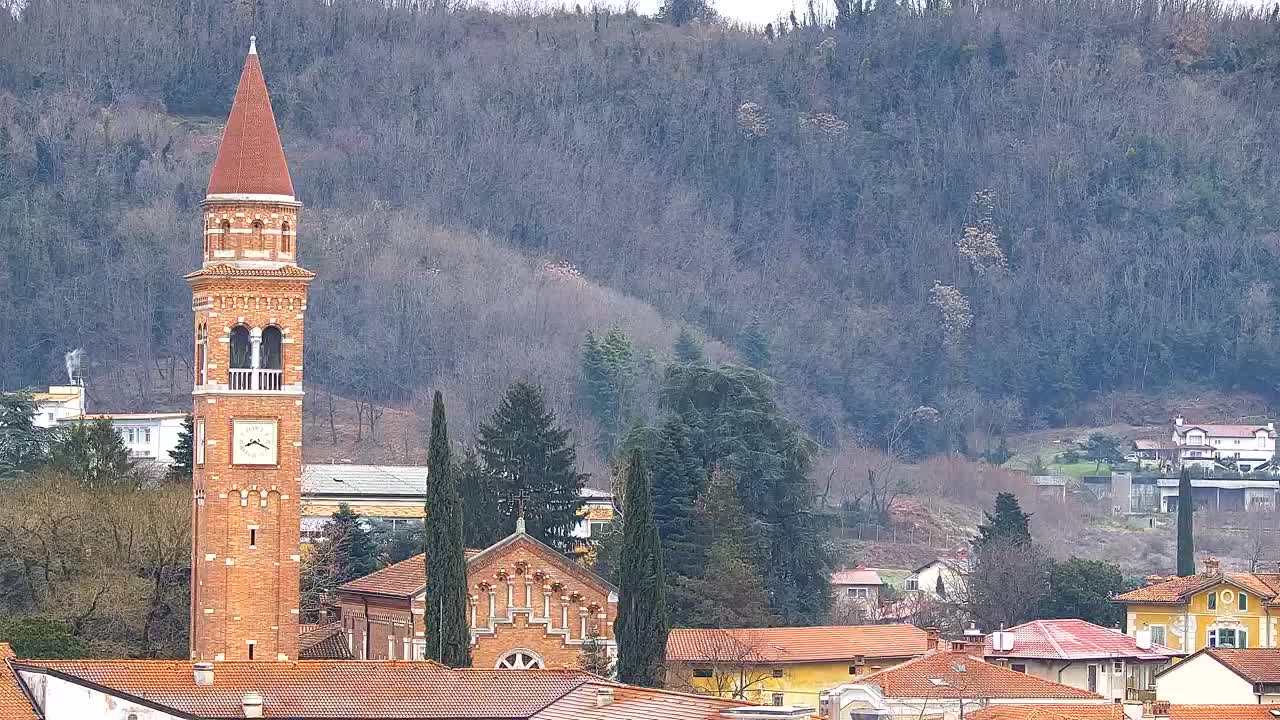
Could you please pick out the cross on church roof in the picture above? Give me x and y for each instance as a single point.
(519, 499)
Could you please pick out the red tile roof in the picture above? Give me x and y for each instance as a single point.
(796, 644)
(1071, 639)
(403, 579)
(250, 158)
(959, 675)
(1257, 665)
(328, 689)
(1223, 712)
(1239, 431)
(634, 703)
(14, 704)
(323, 642)
(1176, 590)
(857, 576)
(1105, 711)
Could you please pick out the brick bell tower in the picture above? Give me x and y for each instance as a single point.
(249, 298)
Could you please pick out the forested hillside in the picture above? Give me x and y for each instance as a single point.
(993, 209)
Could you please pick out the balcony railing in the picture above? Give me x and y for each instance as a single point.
(253, 379)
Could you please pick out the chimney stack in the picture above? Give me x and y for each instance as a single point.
(1211, 567)
(933, 636)
(252, 704)
(604, 697)
(1177, 421)
(203, 673)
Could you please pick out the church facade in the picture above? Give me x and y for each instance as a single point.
(530, 608)
(249, 300)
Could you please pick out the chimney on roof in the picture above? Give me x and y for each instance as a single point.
(1211, 567)
(251, 703)
(1177, 420)
(203, 673)
(604, 696)
(932, 637)
(1156, 709)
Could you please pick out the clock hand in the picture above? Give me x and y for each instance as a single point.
(255, 442)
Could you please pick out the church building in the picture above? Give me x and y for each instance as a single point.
(249, 299)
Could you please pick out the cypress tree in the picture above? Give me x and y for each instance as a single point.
(642, 603)
(482, 521)
(1008, 522)
(530, 457)
(445, 618)
(678, 479)
(1186, 509)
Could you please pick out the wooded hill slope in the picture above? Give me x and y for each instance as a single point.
(992, 209)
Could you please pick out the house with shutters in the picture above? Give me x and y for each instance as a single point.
(1209, 609)
(530, 607)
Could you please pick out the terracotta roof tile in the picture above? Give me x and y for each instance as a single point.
(229, 270)
(1104, 711)
(796, 644)
(403, 579)
(323, 642)
(1240, 431)
(250, 157)
(959, 675)
(14, 704)
(1257, 665)
(1071, 639)
(329, 689)
(1223, 712)
(857, 576)
(1177, 589)
(635, 703)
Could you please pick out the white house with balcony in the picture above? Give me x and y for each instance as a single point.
(1247, 447)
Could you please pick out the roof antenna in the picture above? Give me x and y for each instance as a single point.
(253, 44)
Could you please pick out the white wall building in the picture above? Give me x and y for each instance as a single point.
(1221, 676)
(62, 402)
(148, 436)
(1248, 446)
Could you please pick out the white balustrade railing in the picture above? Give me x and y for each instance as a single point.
(254, 379)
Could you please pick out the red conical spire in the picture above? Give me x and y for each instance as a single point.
(251, 159)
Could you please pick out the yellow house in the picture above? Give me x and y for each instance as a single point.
(1209, 609)
(786, 665)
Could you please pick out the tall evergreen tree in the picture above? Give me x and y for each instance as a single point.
(1007, 523)
(23, 446)
(731, 592)
(530, 457)
(445, 616)
(642, 603)
(352, 550)
(608, 377)
(1186, 511)
(678, 480)
(482, 521)
(183, 453)
(753, 344)
(688, 349)
(733, 423)
(95, 454)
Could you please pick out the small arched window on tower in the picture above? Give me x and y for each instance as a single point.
(224, 240)
(259, 242)
(240, 376)
(202, 354)
(271, 358)
(285, 240)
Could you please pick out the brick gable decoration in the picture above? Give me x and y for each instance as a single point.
(249, 299)
(530, 607)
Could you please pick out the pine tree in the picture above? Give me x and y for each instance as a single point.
(23, 446)
(678, 480)
(608, 377)
(731, 593)
(530, 457)
(1186, 511)
(445, 617)
(1008, 522)
(642, 604)
(688, 350)
(183, 453)
(482, 521)
(354, 553)
(996, 53)
(95, 454)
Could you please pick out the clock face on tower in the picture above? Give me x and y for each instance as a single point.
(253, 442)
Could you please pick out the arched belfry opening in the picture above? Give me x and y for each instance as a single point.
(272, 349)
